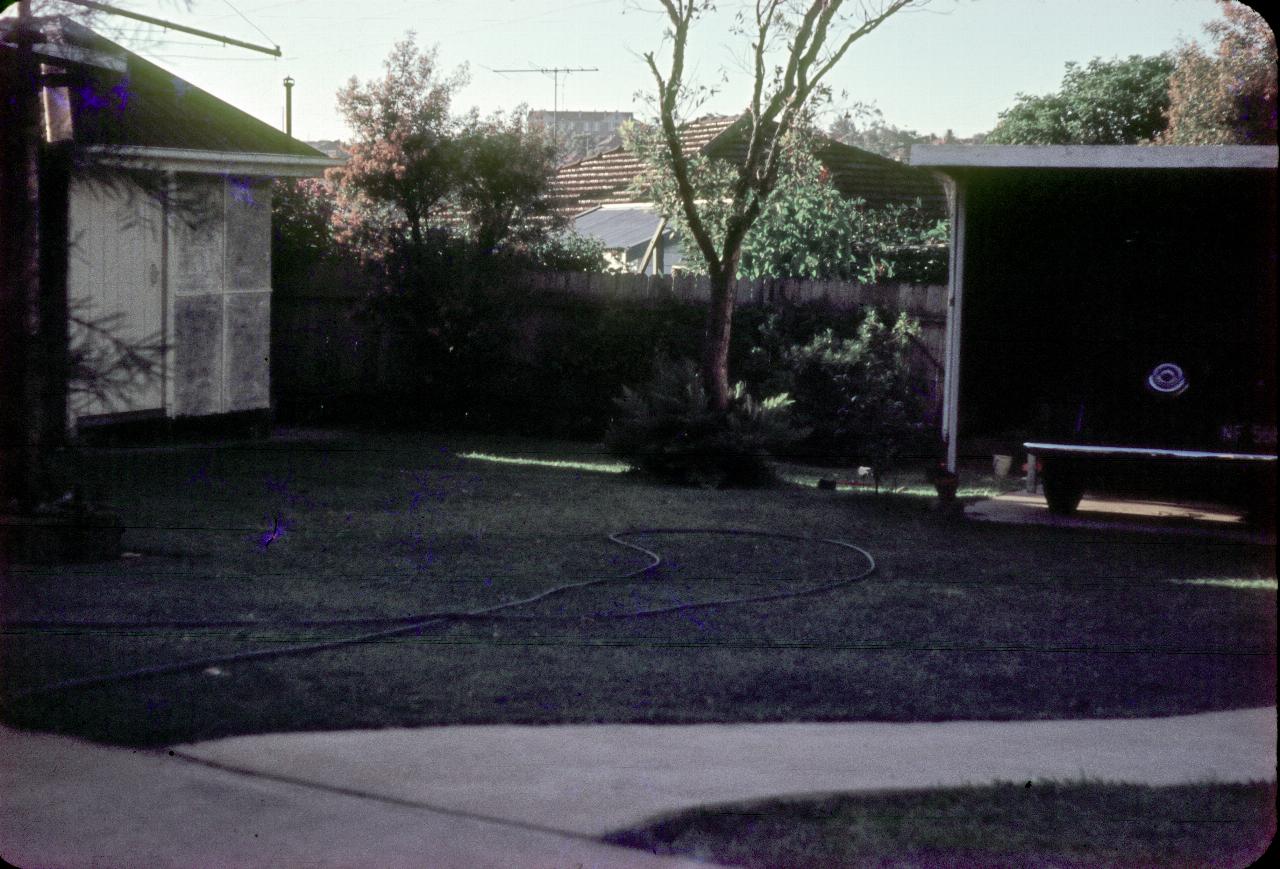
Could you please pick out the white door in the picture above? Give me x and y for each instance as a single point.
(116, 291)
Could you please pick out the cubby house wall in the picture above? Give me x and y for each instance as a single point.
(192, 274)
(220, 317)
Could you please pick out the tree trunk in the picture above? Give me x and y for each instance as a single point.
(55, 244)
(715, 340)
(21, 407)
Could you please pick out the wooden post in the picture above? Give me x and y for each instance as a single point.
(655, 243)
(955, 309)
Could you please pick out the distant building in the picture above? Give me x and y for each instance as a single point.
(596, 125)
(330, 148)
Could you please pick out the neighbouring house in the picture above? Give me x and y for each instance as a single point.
(1113, 310)
(596, 194)
(156, 214)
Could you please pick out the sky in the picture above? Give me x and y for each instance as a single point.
(953, 64)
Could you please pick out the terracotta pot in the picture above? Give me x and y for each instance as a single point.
(946, 485)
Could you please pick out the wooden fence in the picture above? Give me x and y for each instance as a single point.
(927, 303)
(321, 351)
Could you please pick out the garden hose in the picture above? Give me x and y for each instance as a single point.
(406, 624)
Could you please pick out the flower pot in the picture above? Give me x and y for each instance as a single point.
(946, 486)
(1001, 464)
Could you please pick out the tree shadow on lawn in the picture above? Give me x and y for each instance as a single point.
(960, 621)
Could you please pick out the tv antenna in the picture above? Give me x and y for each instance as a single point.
(555, 72)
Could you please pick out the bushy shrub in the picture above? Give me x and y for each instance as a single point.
(568, 252)
(857, 394)
(765, 339)
(670, 430)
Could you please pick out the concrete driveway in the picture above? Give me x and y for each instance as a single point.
(537, 796)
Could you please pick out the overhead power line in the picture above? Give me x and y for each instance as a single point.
(274, 50)
(246, 20)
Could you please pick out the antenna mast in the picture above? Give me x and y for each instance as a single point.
(555, 73)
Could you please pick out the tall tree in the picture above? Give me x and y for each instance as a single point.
(506, 168)
(794, 46)
(1227, 97)
(1106, 102)
(403, 158)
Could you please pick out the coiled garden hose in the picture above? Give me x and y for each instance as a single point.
(406, 624)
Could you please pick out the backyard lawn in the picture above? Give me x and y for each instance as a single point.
(959, 620)
(1005, 825)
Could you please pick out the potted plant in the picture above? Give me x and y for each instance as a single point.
(945, 481)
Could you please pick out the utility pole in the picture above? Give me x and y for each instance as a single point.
(288, 105)
(555, 72)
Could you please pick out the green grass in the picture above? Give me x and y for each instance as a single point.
(960, 621)
(1088, 824)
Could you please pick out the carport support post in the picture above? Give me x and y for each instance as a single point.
(955, 297)
(654, 250)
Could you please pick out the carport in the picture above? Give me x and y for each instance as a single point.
(1077, 271)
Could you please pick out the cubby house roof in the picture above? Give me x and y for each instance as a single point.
(119, 103)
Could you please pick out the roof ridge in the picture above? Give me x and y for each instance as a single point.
(161, 101)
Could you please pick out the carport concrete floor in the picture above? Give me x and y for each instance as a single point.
(500, 795)
(1110, 513)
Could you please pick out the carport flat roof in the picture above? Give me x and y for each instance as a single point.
(619, 226)
(1096, 156)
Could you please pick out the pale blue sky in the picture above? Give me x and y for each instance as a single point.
(955, 64)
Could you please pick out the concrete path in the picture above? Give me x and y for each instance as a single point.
(67, 803)
(533, 796)
(592, 780)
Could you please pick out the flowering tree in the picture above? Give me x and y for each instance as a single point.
(1227, 97)
(404, 158)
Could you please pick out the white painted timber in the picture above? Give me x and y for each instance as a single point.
(212, 162)
(115, 281)
(1097, 156)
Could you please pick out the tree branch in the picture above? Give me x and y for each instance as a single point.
(867, 26)
(669, 92)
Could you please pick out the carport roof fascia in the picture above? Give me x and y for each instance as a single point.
(944, 157)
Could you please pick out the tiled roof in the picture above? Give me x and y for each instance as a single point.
(605, 179)
(879, 180)
(147, 106)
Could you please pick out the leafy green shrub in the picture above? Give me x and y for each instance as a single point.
(568, 252)
(669, 430)
(857, 394)
(765, 339)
